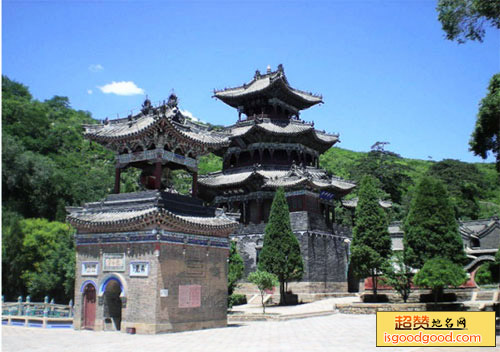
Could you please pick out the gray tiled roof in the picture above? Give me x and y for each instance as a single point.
(136, 210)
(290, 128)
(139, 124)
(353, 203)
(478, 228)
(265, 81)
(317, 178)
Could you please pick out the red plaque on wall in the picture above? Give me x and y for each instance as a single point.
(189, 296)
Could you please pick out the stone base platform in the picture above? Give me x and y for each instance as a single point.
(373, 308)
(307, 291)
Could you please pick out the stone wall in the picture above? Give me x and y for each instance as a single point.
(135, 305)
(325, 252)
(195, 277)
(326, 258)
(192, 266)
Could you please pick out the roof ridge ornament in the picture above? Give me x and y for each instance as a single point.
(146, 106)
(173, 101)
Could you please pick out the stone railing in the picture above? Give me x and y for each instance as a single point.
(37, 314)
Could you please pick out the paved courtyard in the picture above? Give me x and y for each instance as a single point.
(336, 332)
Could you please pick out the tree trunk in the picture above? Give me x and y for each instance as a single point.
(497, 164)
(282, 293)
(374, 283)
(262, 300)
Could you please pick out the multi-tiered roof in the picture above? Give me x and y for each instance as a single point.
(161, 132)
(272, 146)
(155, 140)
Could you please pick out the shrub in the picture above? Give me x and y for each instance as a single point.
(237, 299)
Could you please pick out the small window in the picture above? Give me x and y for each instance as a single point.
(90, 268)
(139, 268)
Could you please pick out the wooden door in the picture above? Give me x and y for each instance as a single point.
(89, 307)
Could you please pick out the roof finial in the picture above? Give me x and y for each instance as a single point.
(280, 68)
(268, 68)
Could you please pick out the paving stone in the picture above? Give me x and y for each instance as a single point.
(330, 333)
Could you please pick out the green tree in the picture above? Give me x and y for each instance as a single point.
(280, 253)
(13, 264)
(497, 262)
(463, 20)
(29, 183)
(464, 183)
(487, 274)
(430, 229)
(46, 163)
(387, 168)
(486, 135)
(48, 248)
(371, 244)
(264, 281)
(398, 274)
(438, 273)
(235, 270)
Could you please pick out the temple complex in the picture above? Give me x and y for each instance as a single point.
(152, 261)
(270, 146)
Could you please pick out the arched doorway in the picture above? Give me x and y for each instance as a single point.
(112, 304)
(89, 306)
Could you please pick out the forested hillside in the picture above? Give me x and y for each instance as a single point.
(47, 165)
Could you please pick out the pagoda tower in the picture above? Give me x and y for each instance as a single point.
(270, 147)
(151, 261)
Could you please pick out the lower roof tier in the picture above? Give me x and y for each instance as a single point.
(259, 178)
(150, 209)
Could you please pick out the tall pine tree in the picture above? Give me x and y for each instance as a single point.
(280, 253)
(235, 270)
(430, 227)
(371, 243)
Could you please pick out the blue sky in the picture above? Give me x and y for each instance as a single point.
(384, 69)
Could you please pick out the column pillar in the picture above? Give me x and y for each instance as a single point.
(158, 175)
(117, 180)
(259, 206)
(333, 212)
(194, 186)
(244, 220)
(327, 214)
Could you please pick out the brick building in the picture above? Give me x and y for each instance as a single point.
(153, 261)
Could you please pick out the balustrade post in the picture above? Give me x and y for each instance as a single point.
(52, 307)
(20, 305)
(28, 307)
(71, 308)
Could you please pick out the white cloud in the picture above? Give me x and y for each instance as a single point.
(121, 88)
(89, 91)
(189, 114)
(96, 68)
